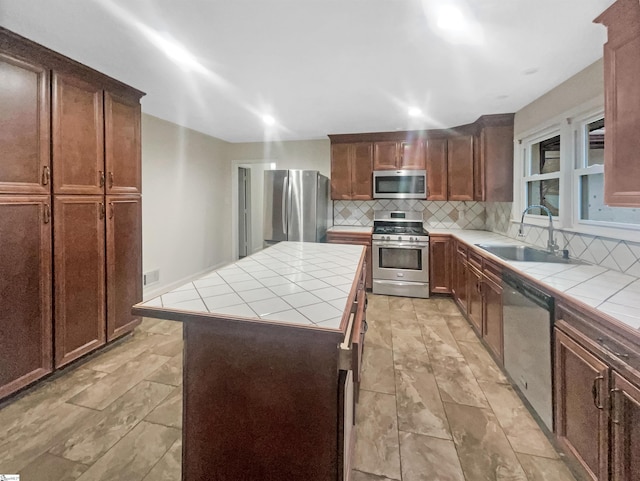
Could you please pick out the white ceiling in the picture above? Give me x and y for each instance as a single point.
(321, 66)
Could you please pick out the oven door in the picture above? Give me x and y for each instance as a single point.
(400, 261)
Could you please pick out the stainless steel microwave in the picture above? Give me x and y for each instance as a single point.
(400, 184)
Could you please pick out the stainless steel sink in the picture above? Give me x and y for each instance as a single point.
(525, 254)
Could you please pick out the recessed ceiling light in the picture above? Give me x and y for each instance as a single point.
(450, 18)
(415, 112)
(268, 120)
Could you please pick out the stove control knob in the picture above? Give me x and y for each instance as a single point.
(388, 237)
(399, 237)
(411, 239)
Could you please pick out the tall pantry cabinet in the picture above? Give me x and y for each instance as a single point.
(70, 210)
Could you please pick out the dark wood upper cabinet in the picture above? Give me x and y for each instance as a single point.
(341, 166)
(412, 155)
(582, 417)
(440, 264)
(625, 433)
(124, 262)
(436, 166)
(78, 136)
(460, 167)
(351, 171)
(122, 144)
(386, 155)
(25, 291)
(24, 127)
(79, 261)
(493, 177)
(622, 103)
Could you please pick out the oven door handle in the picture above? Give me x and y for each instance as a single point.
(408, 245)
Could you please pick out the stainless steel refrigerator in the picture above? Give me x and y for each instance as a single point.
(296, 206)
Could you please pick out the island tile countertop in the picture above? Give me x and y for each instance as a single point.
(610, 292)
(291, 282)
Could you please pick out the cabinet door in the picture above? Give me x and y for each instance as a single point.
(493, 180)
(79, 261)
(625, 421)
(78, 136)
(361, 171)
(122, 144)
(437, 169)
(124, 262)
(385, 155)
(621, 101)
(461, 273)
(25, 291)
(340, 172)
(492, 334)
(581, 388)
(24, 127)
(412, 155)
(440, 264)
(474, 283)
(460, 167)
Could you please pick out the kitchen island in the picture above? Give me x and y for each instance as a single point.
(272, 357)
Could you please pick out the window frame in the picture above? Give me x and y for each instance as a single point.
(570, 126)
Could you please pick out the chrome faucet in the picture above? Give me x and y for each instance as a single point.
(551, 243)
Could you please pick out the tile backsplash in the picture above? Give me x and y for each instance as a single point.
(437, 215)
(619, 255)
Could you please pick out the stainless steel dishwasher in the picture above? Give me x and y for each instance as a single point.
(528, 324)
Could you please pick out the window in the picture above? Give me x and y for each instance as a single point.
(589, 179)
(542, 175)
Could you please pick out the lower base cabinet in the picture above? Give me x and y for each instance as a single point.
(440, 264)
(625, 431)
(79, 261)
(25, 291)
(581, 389)
(459, 271)
(124, 262)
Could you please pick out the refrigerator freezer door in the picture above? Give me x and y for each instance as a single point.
(303, 187)
(276, 192)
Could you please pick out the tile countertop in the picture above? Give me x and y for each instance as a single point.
(351, 228)
(608, 291)
(290, 282)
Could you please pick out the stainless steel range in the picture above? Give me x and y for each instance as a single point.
(400, 250)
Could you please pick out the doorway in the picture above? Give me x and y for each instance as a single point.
(244, 212)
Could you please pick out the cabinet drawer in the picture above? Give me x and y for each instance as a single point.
(475, 260)
(492, 271)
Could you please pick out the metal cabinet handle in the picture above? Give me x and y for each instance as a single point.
(110, 210)
(595, 392)
(603, 343)
(110, 180)
(614, 406)
(101, 172)
(46, 175)
(102, 210)
(47, 213)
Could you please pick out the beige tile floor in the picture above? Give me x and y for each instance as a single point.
(433, 406)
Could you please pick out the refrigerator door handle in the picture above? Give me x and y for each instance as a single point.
(285, 203)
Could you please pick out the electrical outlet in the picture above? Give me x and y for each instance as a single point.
(151, 277)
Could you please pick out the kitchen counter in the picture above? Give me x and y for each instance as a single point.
(610, 292)
(351, 228)
(291, 282)
(272, 363)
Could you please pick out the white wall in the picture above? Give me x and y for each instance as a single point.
(303, 154)
(186, 202)
(586, 85)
